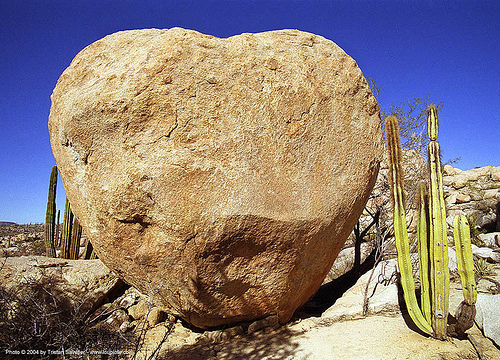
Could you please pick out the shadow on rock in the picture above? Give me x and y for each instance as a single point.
(275, 344)
(330, 292)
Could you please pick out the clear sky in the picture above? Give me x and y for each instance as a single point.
(447, 49)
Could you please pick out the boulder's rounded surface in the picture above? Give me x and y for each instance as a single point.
(223, 174)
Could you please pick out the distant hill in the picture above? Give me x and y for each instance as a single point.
(6, 223)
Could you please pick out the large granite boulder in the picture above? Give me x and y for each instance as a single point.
(222, 174)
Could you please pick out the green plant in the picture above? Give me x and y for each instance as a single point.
(475, 231)
(71, 235)
(66, 231)
(76, 235)
(431, 317)
(50, 249)
(482, 268)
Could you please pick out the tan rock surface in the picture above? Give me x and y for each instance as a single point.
(84, 283)
(226, 174)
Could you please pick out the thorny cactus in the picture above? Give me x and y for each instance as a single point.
(50, 249)
(432, 316)
(66, 231)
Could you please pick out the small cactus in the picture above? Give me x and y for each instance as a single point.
(50, 249)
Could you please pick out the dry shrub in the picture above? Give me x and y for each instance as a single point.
(35, 316)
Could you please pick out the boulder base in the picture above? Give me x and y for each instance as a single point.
(222, 175)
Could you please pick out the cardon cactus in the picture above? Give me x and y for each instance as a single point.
(76, 235)
(66, 231)
(71, 235)
(50, 220)
(466, 311)
(432, 316)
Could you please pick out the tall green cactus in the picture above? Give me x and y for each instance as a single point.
(50, 249)
(66, 231)
(440, 276)
(432, 237)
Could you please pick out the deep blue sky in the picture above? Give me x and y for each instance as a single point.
(447, 49)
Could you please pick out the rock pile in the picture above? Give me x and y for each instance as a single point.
(224, 173)
(475, 192)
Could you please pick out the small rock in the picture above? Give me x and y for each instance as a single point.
(491, 194)
(460, 181)
(125, 326)
(12, 250)
(452, 256)
(448, 170)
(223, 335)
(269, 321)
(486, 253)
(139, 310)
(117, 318)
(487, 315)
(491, 240)
(128, 300)
(155, 316)
(462, 198)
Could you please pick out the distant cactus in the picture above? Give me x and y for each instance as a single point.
(76, 235)
(66, 231)
(89, 253)
(57, 240)
(432, 314)
(50, 249)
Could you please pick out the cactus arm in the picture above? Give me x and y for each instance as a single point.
(423, 251)
(50, 249)
(465, 261)
(400, 232)
(439, 243)
(432, 123)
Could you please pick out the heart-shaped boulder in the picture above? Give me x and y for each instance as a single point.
(223, 175)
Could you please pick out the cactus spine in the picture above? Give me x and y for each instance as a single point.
(66, 231)
(50, 249)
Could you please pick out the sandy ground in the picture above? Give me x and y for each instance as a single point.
(375, 337)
